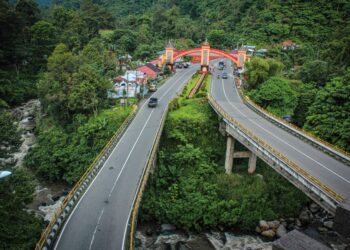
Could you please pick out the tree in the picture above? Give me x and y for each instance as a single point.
(259, 70)
(329, 115)
(19, 229)
(307, 93)
(61, 16)
(43, 39)
(276, 95)
(88, 91)
(315, 72)
(28, 11)
(55, 85)
(144, 52)
(218, 39)
(10, 136)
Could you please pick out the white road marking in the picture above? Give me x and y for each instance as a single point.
(126, 225)
(91, 184)
(98, 223)
(341, 177)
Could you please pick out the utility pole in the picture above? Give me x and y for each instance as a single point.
(127, 87)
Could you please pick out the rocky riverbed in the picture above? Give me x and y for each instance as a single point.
(312, 220)
(47, 196)
(168, 237)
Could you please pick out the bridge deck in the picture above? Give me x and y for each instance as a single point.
(322, 166)
(100, 219)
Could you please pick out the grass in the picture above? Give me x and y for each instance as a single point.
(190, 85)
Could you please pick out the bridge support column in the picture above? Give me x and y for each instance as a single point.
(342, 218)
(231, 154)
(252, 163)
(230, 146)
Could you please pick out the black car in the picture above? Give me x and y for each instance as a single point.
(186, 65)
(152, 103)
(224, 76)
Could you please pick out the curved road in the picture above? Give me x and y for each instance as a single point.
(331, 172)
(100, 219)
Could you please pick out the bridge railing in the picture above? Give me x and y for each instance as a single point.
(144, 179)
(52, 230)
(145, 175)
(325, 189)
(306, 136)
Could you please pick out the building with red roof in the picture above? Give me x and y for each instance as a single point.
(150, 70)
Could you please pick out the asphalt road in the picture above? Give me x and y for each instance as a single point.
(322, 166)
(99, 220)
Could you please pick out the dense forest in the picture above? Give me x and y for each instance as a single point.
(64, 52)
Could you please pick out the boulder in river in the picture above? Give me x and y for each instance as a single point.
(281, 230)
(273, 224)
(167, 228)
(314, 208)
(269, 233)
(328, 224)
(305, 217)
(263, 225)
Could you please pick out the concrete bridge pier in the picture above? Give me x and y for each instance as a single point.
(342, 218)
(230, 147)
(231, 155)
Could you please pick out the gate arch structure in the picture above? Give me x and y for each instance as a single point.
(206, 53)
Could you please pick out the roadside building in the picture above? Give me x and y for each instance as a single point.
(123, 61)
(288, 45)
(150, 70)
(128, 84)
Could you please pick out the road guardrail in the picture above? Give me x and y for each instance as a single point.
(52, 230)
(306, 136)
(144, 179)
(306, 175)
(145, 175)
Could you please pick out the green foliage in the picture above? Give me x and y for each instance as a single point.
(64, 154)
(189, 187)
(315, 72)
(19, 229)
(306, 93)
(74, 84)
(9, 136)
(218, 39)
(259, 70)
(43, 39)
(276, 95)
(329, 115)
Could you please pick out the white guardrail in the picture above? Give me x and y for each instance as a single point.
(321, 190)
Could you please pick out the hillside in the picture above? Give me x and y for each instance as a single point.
(64, 53)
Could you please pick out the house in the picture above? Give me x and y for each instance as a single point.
(156, 62)
(150, 70)
(128, 84)
(261, 52)
(289, 45)
(123, 61)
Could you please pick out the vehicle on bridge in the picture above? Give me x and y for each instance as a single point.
(153, 87)
(153, 102)
(221, 65)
